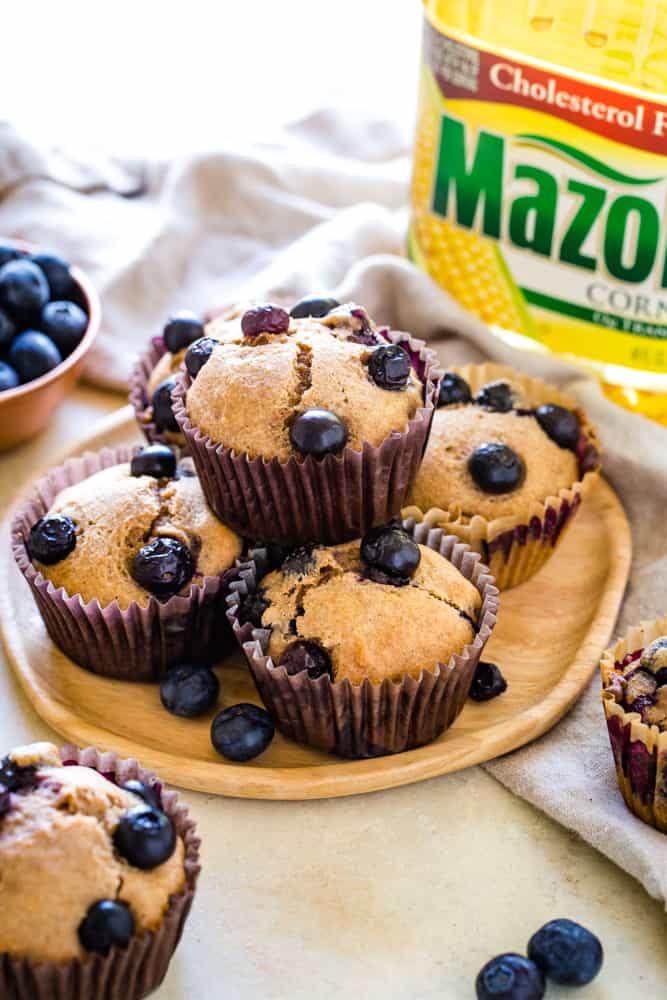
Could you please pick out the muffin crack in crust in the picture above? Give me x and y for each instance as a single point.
(303, 371)
(452, 604)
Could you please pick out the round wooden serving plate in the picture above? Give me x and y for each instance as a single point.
(550, 634)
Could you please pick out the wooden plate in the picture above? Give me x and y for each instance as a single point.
(550, 634)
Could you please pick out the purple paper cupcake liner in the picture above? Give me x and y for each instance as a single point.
(369, 720)
(140, 400)
(125, 973)
(326, 500)
(136, 644)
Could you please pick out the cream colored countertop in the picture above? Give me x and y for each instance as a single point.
(399, 895)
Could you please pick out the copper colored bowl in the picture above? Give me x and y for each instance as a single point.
(26, 410)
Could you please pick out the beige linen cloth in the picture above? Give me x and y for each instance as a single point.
(323, 208)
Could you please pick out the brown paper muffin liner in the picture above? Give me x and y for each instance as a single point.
(640, 750)
(125, 973)
(516, 546)
(326, 500)
(140, 400)
(369, 720)
(139, 643)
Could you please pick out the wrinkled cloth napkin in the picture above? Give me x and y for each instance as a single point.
(323, 208)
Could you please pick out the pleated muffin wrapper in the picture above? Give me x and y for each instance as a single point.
(516, 546)
(140, 399)
(640, 750)
(135, 644)
(326, 500)
(125, 973)
(370, 720)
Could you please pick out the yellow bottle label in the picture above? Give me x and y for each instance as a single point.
(539, 200)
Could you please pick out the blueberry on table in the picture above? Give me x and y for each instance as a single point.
(148, 793)
(24, 290)
(33, 354)
(145, 837)
(306, 655)
(453, 390)
(163, 566)
(198, 354)
(108, 924)
(389, 367)
(496, 396)
(189, 690)
(562, 425)
(157, 460)
(313, 306)
(390, 550)
(318, 432)
(17, 777)
(264, 319)
(242, 732)
(8, 328)
(51, 539)
(181, 330)
(65, 323)
(58, 275)
(9, 253)
(496, 468)
(9, 378)
(488, 682)
(566, 952)
(510, 977)
(163, 410)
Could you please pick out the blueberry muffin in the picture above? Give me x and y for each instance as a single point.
(353, 633)
(88, 869)
(135, 543)
(504, 466)
(307, 427)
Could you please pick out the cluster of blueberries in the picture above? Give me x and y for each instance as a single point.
(42, 315)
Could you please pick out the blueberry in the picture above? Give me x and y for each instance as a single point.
(453, 390)
(149, 793)
(5, 800)
(163, 566)
(8, 328)
(313, 306)
(33, 354)
(58, 275)
(496, 396)
(65, 323)
(24, 290)
(9, 253)
(496, 468)
(108, 924)
(52, 538)
(252, 608)
(198, 354)
(390, 550)
(509, 977)
(299, 562)
(157, 460)
(566, 952)
(15, 777)
(488, 682)
(318, 432)
(189, 690)
(306, 655)
(145, 837)
(389, 367)
(163, 412)
(562, 425)
(181, 330)
(264, 319)
(241, 732)
(9, 378)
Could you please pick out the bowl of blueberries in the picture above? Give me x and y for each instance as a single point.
(49, 317)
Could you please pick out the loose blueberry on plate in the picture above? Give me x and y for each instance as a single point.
(9, 378)
(24, 290)
(108, 924)
(318, 432)
(252, 608)
(9, 253)
(488, 682)
(242, 732)
(390, 550)
(496, 396)
(33, 354)
(510, 977)
(264, 319)
(306, 655)
(189, 690)
(566, 952)
(198, 354)
(65, 323)
(58, 275)
(163, 566)
(163, 411)
(157, 460)
(562, 425)
(51, 539)
(453, 390)
(148, 793)
(16, 777)
(8, 328)
(181, 330)
(145, 837)
(313, 306)
(496, 468)
(389, 367)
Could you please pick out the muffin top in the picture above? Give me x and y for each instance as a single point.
(132, 531)
(285, 387)
(380, 608)
(639, 683)
(70, 839)
(494, 453)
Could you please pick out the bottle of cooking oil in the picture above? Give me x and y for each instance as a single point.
(539, 195)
